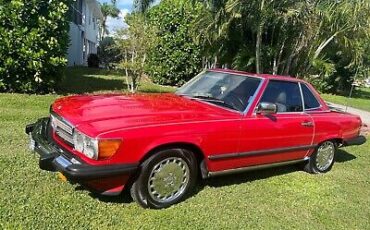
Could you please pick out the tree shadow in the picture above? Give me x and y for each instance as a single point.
(88, 84)
(250, 176)
(80, 80)
(361, 93)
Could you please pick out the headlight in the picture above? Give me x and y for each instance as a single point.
(86, 145)
(94, 148)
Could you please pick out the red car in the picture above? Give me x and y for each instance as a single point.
(220, 122)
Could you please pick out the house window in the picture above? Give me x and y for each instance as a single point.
(77, 12)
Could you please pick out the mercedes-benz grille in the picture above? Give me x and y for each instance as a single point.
(62, 128)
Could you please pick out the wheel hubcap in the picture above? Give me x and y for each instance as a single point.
(168, 179)
(325, 155)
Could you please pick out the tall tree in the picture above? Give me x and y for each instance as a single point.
(290, 37)
(134, 43)
(142, 6)
(108, 10)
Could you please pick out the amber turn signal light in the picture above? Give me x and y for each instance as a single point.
(108, 148)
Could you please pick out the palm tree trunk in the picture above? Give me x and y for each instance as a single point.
(259, 40)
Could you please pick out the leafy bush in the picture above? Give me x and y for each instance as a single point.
(93, 61)
(108, 52)
(33, 44)
(175, 58)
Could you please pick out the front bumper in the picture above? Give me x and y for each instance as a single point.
(55, 158)
(359, 140)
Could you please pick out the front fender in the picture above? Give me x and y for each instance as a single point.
(195, 141)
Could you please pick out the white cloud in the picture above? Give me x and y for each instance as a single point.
(114, 24)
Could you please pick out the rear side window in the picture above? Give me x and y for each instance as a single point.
(285, 94)
(310, 101)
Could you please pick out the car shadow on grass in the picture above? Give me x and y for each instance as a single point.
(123, 198)
(232, 179)
(342, 156)
(250, 176)
(88, 84)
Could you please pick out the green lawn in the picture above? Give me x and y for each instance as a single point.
(86, 80)
(276, 198)
(360, 99)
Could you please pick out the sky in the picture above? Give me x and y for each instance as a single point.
(125, 6)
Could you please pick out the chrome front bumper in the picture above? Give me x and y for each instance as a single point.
(55, 158)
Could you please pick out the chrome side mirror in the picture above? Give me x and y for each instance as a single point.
(266, 108)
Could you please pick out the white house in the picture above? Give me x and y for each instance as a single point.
(84, 31)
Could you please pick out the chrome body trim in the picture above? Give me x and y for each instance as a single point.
(62, 128)
(254, 167)
(260, 152)
(302, 99)
(253, 98)
(313, 94)
(266, 108)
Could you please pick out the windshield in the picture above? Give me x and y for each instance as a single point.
(224, 89)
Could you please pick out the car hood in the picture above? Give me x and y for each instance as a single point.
(97, 114)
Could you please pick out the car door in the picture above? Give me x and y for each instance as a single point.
(284, 136)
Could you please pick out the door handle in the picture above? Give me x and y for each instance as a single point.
(307, 123)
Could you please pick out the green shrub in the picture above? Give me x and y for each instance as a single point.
(93, 61)
(33, 44)
(108, 52)
(175, 58)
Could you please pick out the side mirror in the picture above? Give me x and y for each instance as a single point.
(266, 108)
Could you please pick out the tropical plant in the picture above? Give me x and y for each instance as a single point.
(175, 58)
(108, 10)
(299, 38)
(142, 6)
(133, 43)
(93, 61)
(108, 52)
(33, 44)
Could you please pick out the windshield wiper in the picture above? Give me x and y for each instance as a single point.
(216, 100)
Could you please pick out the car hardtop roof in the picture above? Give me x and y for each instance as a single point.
(265, 76)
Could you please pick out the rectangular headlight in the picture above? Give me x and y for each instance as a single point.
(85, 145)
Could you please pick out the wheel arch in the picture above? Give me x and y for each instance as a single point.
(198, 153)
(337, 140)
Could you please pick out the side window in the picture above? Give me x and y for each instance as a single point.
(310, 101)
(286, 95)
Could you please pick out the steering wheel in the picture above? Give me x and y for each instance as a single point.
(235, 101)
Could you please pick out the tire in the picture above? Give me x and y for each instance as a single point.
(165, 178)
(322, 160)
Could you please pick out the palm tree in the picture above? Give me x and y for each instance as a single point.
(142, 5)
(108, 10)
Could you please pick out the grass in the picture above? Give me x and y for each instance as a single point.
(277, 198)
(360, 99)
(86, 80)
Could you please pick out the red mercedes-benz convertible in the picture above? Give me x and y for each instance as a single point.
(220, 122)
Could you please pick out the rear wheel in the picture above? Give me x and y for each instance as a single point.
(165, 178)
(322, 160)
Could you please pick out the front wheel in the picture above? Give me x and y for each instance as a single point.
(165, 178)
(322, 160)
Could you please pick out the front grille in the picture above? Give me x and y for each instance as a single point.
(62, 128)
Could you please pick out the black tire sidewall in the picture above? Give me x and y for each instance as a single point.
(146, 168)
